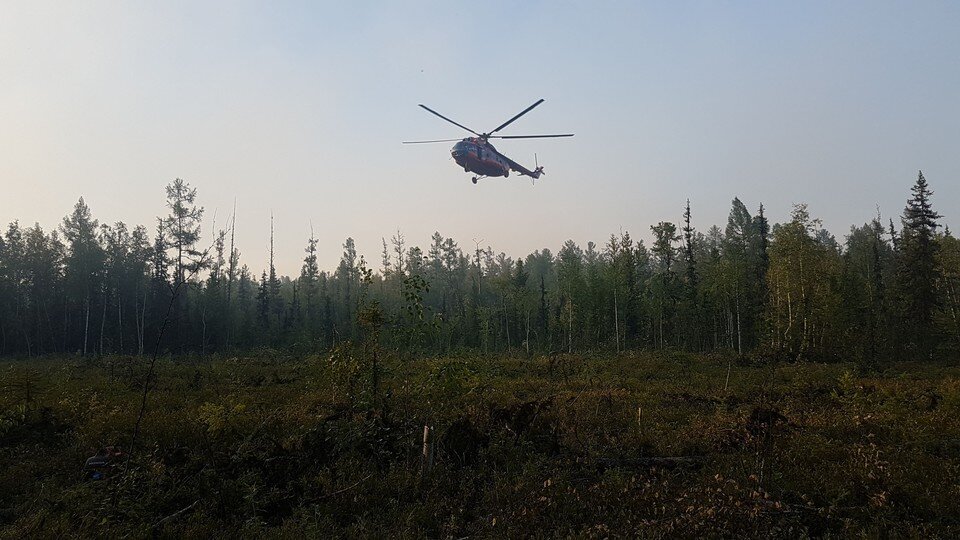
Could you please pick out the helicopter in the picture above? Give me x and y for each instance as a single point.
(477, 155)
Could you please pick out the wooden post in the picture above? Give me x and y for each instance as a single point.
(427, 456)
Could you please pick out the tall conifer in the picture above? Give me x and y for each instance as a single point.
(918, 271)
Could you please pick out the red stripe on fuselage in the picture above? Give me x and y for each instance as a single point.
(486, 167)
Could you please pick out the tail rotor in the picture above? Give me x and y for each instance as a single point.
(537, 171)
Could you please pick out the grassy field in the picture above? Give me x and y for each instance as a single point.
(643, 444)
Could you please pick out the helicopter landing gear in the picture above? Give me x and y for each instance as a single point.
(475, 178)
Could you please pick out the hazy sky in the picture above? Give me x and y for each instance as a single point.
(299, 108)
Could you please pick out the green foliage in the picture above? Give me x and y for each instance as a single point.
(949, 288)
(218, 418)
(919, 272)
(803, 274)
(790, 291)
(633, 444)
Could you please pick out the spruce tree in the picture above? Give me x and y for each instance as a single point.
(276, 307)
(760, 258)
(263, 304)
(309, 281)
(691, 269)
(918, 271)
(690, 309)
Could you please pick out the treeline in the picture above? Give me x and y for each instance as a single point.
(790, 291)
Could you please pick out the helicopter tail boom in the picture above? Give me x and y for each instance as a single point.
(535, 173)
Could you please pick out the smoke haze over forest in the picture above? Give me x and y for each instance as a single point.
(236, 302)
(300, 112)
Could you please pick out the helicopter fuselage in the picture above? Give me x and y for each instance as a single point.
(476, 154)
(479, 156)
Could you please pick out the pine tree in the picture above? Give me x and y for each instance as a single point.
(398, 244)
(14, 272)
(182, 230)
(384, 259)
(84, 262)
(116, 242)
(42, 266)
(182, 227)
(664, 282)
(139, 276)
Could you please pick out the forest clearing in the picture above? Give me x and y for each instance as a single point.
(645, 444)
(754, 380)
(251, 288)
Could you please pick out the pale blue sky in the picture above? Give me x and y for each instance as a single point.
(299, 109)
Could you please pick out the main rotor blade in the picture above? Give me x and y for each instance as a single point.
(423, 142)
(529, 136)
(523, 112)
(449, 120)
